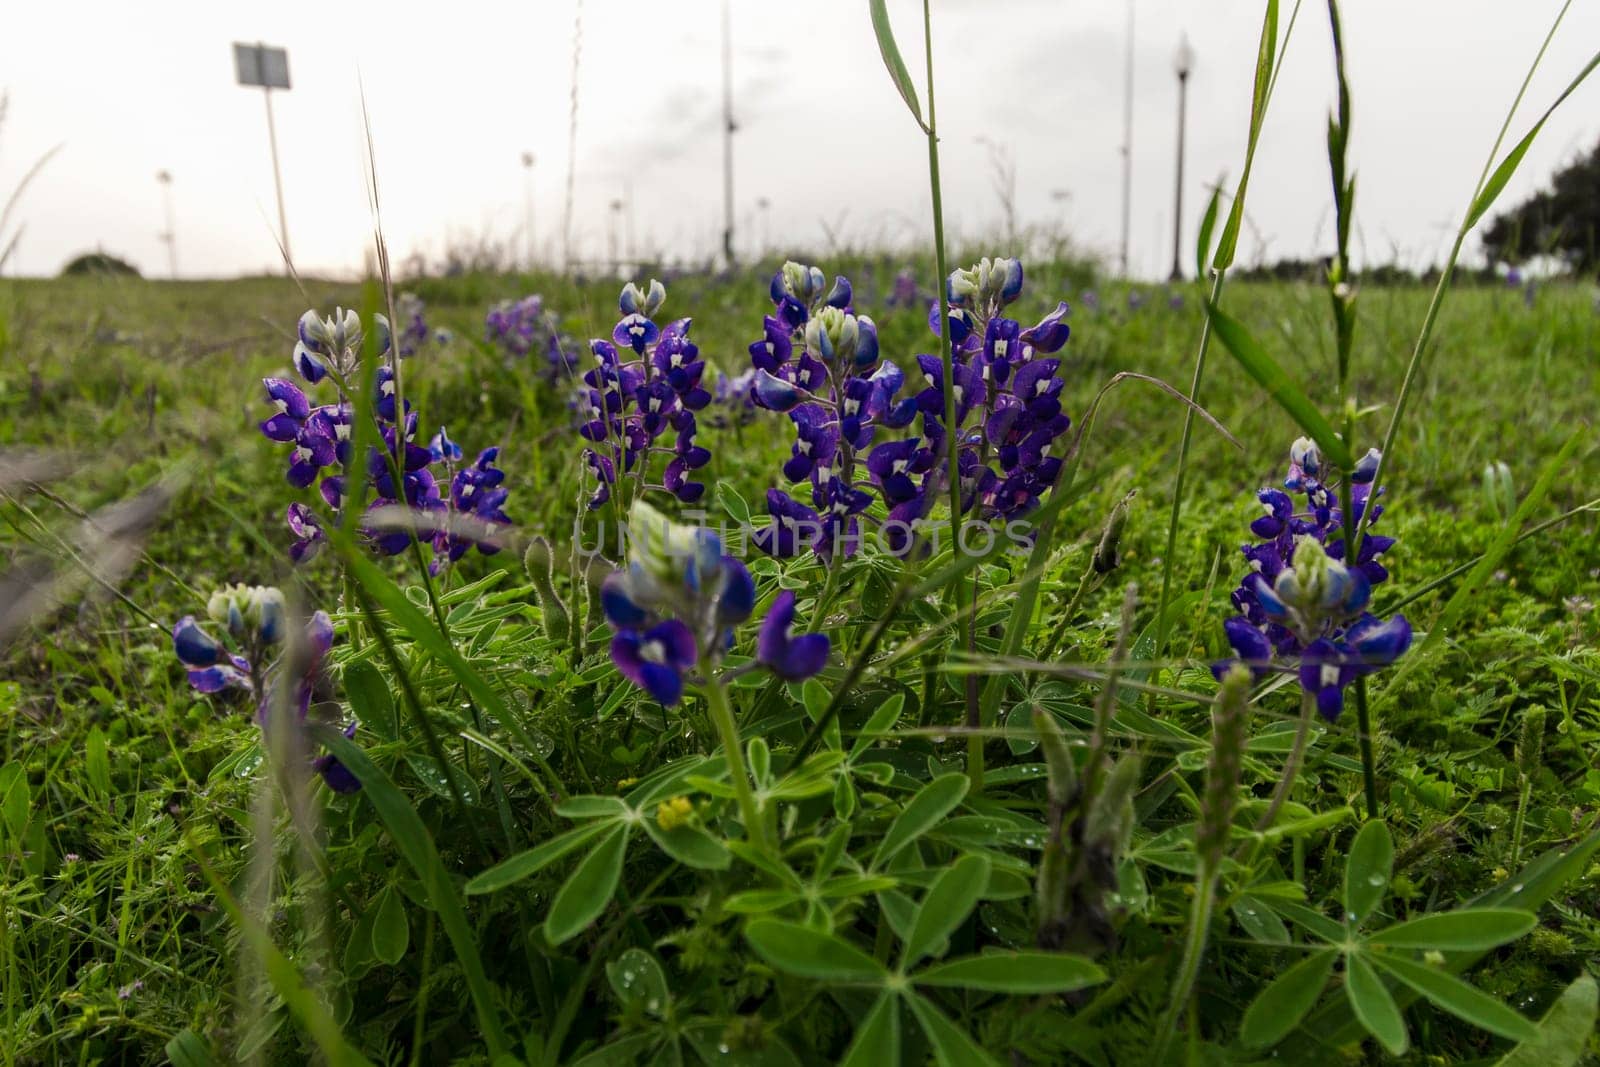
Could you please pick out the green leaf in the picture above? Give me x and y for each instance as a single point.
(1451, 994)
(881, 722)
(526, 864)
(391, 933)
(922, 813)
(1266, 59)
(1508, 166)
(1367, 870)
(97, 762)
(371, 700)
(946, 906)
(877, 1040)
(811, 953)
(589, 889)
(637, 979)
(1014, 972)
(411, 837)
(1279, 1007)
(1564, 1031)
(892, 61)
(689, 845)
(1208, 222)
(1265, 370)
(1373, 1005)
(592, 807)
(1539, 880)
(1462, 929)
(952, 1046)
(189, 1049)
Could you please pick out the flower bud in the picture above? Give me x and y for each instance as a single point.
(833, 335)
(646, 302)
(1229, 719)
(1105, 553)
(249, 612)
(540, 565)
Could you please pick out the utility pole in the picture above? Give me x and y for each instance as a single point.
(728, 128)
(170, 235)
(527, 204)
(258, 65)
(1182, 64)
(1127, 143)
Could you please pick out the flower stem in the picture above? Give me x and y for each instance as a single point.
(1291, 766)
(728, 729)
(947, 365)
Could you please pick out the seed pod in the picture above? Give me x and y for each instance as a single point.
(1530, 744)
(1229, 718)
(539, 562)
(1106, 557)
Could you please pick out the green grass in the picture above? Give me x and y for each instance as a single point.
(104, 884)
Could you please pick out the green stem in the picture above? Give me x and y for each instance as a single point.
(1183, 466)
(947, 363)
(728, 729)
(1291, 766)
(1194, 948)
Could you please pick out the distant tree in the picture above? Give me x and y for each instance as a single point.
(99, 263)
(1561, 221)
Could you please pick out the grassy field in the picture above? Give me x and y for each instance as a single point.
(148, 857)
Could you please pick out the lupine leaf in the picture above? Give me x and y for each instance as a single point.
(1279, 1007)
(1373, 1005)
(811, 953)
(1451, 994)
(589, 889)
(921, 813)
(1367, 870)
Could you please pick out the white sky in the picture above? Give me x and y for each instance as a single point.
(458, 91)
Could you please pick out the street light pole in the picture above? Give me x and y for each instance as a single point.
(728, 127)
(170, 236)
(277, 178)
(1127, 144)
(1182, 63)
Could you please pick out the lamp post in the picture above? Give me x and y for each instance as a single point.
(1182, 64)
(527, 204)
(170, 235)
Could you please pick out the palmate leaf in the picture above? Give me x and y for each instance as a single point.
(1334, 1023)
(877, 1039)
(811, 953)
(1367, 870)
(1370, 1000)
(1451, 994)
(589, 889)
(922, 813)
(1019, 973)
(530, 862)
(952, 1046)
(1279, 1008)
(946, 906)
(1464, 929)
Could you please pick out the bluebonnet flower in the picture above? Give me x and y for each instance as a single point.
(1007, 405)
(414, 332)
(1303, 606)
(818, 362)
(397, 471)
(905, 293)
(733, 400)
(675, 607)
(254, 619)
(521, 327)
(477, 495)
(646, 381)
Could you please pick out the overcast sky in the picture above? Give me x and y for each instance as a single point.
(458, 91)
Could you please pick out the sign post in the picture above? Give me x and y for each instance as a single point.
(267, 67)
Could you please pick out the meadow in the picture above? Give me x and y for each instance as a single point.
(344, 725)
